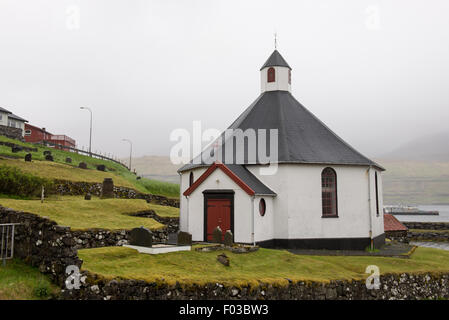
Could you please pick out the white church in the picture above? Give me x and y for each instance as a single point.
(323, 195)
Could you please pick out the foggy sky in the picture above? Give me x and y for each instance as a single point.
(375, 72)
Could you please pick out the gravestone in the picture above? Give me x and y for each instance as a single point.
(217, 235)
(223, 259)
(88, 196)
(49, 157)
(68, 160)
(141, 237)
(16, 149)
(184, 239)
(228, 238)
(28, 157)
(172, 238)
(47, 152)
(107, 191)
(82, 165)
(101, 167)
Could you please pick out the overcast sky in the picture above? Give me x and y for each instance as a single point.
(376, 72)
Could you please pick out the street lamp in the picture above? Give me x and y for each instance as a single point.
(130, 151)
(90, 134)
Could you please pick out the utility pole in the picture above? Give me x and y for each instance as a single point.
(130, 151)
(90, 131)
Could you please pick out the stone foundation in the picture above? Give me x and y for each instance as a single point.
(10, 132)
(400, 236)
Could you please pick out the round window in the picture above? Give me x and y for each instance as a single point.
(262, 207)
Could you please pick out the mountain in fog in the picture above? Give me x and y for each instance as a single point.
(428, 148)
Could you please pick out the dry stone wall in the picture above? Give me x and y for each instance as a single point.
(440, 231)
(42, 243)
(392, 287)
(73, 188)
(50, 247)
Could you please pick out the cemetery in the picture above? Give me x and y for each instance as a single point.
(125, 238)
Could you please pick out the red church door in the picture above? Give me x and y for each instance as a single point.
(218, 214)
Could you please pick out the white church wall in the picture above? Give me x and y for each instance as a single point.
(278, 183)
(298, 205)
(242, 208)
(184, 185)
(377, 219)
(264, 225)
(281, 80)
(305, 203)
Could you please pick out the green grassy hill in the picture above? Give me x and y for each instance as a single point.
(59, 169)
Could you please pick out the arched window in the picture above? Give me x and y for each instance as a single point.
(271, 75)
(329, 192)
(190, 179)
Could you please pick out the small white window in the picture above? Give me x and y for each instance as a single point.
(28, 133)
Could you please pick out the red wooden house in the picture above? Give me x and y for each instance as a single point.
(40, 135)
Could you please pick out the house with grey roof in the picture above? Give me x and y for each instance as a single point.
(317, 192)
(11, 125)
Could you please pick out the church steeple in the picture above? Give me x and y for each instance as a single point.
(275, 74)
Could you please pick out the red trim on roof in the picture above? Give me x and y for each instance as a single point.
(227, 171)
(393, 224)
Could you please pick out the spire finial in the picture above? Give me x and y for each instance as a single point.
(275, 41)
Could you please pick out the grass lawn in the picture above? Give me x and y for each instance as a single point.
(19, 281)
(80, 214)
(264, 265)
(121, 175)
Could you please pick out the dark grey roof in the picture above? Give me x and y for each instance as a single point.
(276, 60)
(12, 115)
(302, 137)
(4, 110)
(246, 176)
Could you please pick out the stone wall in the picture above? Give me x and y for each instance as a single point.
(42, 243)
(400, 236)
(10, 132)
(172, 224)
(64, 187)
(427, 225)
(441, 231)
(403, 286)
(50, 247)
(96, 238)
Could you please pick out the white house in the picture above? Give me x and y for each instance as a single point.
(324, 193)
(10, 120)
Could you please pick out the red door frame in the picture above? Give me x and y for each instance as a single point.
(218, 194)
